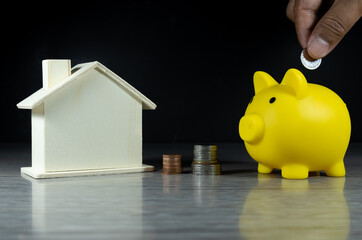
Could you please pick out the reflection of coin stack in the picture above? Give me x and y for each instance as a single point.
(172, 164)
(205, 162)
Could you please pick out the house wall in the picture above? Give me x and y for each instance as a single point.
(92, 123)
(38, 137)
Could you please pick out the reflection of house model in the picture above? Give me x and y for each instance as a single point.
(85, 121)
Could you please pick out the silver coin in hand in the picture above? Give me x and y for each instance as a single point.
(311, 65)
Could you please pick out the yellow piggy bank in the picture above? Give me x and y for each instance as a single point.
(295, 126)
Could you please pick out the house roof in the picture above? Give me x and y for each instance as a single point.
(80, 70)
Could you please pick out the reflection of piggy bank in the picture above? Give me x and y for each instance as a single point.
(295, 126)
(295, 210)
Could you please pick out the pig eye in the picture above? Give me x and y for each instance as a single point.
(272, 100)
(251, 100)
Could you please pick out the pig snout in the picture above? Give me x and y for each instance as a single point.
(251, 127)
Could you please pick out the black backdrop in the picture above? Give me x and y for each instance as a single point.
(194, 59)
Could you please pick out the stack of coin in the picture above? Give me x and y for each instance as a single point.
(205, 161)
(172, 164)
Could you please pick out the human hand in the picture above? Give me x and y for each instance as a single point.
(320, 29)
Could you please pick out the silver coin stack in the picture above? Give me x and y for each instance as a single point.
(205, 161)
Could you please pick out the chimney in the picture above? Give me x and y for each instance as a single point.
(54, 71)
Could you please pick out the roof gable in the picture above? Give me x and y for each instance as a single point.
(78, 71)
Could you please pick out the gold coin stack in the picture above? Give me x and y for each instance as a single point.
(171, 164)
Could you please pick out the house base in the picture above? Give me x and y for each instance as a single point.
(30, 171)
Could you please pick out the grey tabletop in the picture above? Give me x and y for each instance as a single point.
(239, 204)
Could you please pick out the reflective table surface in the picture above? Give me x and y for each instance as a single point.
(239, 204)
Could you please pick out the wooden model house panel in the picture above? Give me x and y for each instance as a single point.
(89, 122)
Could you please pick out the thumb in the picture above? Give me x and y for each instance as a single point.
(332, 27)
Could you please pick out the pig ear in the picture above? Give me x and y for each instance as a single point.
(297, 82)
(263, 80)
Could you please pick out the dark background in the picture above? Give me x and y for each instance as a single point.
(194, 59)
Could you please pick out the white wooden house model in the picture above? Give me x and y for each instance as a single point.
(85, 121)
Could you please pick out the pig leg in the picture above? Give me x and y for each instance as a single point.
(295, 171)
(264, 169)
(336, 170)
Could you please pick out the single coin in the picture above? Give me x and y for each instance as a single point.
(171, 156)
(172, 166)
(171, 161)
(311, 65)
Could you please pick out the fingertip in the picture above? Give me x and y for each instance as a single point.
(318, 48)
(307, 56)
